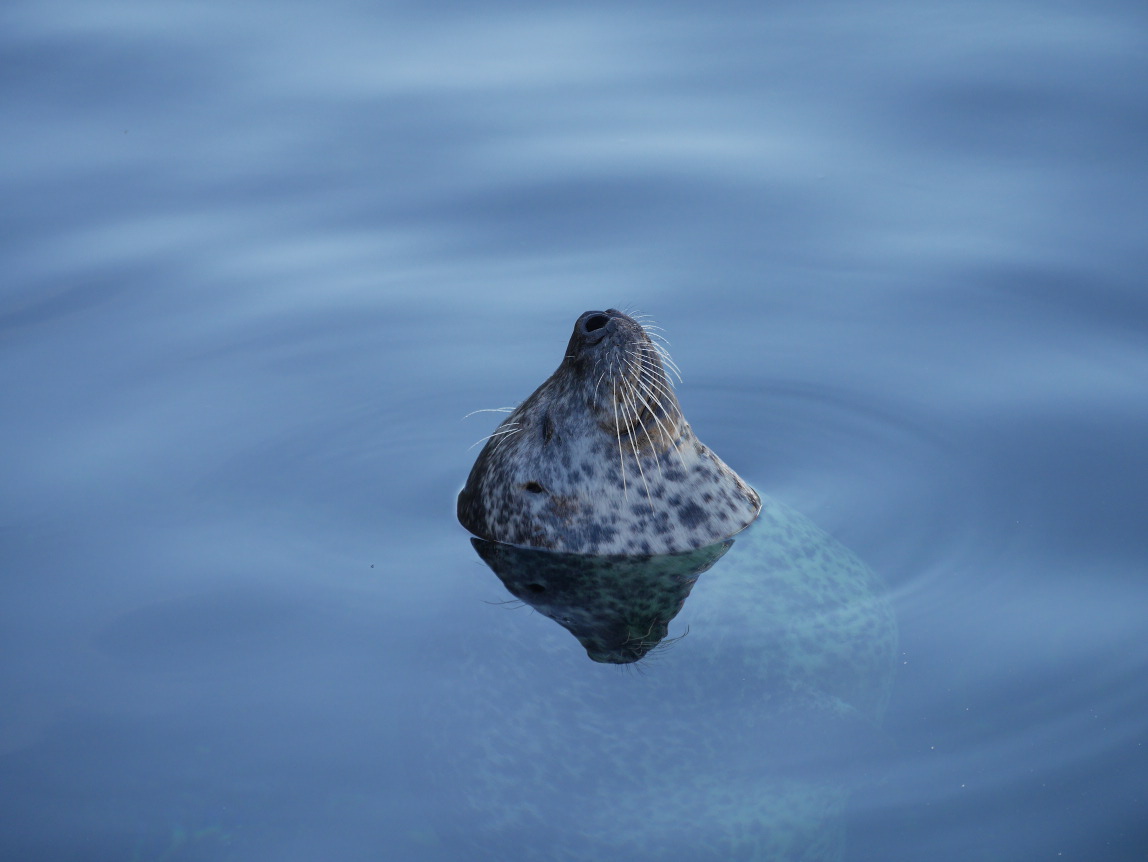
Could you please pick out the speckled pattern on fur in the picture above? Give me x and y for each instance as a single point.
(600, 460)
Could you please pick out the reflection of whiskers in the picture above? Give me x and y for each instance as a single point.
(669, 643)
(648, 650)
(511, 604)
(658, 652)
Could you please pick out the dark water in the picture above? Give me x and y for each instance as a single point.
(261, 259)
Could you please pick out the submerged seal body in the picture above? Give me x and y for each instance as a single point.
(600, 460)
(754, 724)
(743, 736)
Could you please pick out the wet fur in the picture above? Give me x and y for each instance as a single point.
(600, 460)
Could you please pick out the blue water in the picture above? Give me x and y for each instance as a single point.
(260, 261)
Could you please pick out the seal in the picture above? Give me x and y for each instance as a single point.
(600, 460)
(600, 510)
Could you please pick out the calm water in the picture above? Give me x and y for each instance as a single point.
(261, 259)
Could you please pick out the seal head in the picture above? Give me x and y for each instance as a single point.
(600, 460)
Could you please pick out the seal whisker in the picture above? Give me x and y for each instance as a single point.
(598, 362)
(643, 371)
(503, 438)
(503, 428)
(654, 355)
(650, 388)
(618, 435)
(632, 668)
(662, 349)
(671, 439)
(643, 319)
(638, 419)
(503, 431)
(642, 367)
(628, 405)
(659, 389)
(629, 419)
(512, 604)
(644, 638)
(638, 396)
(489, 410)
(668, 643)
(667, 359)
(647, 355)
(660, 383)
(656, 375)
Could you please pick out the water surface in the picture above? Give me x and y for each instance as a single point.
(262, 259)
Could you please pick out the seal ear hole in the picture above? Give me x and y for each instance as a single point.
(533, 488)
(536, 588)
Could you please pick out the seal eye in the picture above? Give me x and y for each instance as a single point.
(533, 488)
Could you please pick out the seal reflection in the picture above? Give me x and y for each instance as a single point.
(618, 607)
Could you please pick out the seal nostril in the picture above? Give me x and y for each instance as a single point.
(533, 488)
(536, 588)
(595, 322)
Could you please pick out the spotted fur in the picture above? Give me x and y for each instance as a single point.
(600, 460)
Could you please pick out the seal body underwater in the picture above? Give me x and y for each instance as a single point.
(742, 740)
